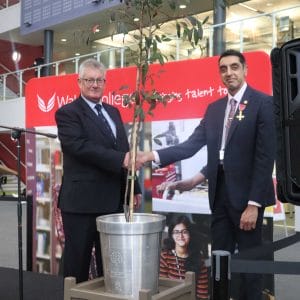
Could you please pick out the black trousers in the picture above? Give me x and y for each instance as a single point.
(226, 235)
(80, 236)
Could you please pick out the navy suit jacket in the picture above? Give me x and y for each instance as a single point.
(249, 150)
(93, 177)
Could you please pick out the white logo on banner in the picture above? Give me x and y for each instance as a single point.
(42, 105)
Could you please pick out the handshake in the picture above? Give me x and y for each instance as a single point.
(141, 159)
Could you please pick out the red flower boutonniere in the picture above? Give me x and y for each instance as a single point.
(242, 107)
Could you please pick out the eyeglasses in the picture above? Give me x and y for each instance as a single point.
(179, 232)
(91, 81)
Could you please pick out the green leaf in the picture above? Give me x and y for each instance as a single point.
(160, 58)
(148, 42)
(165, 38)
(142, 116)
(134, 97)
(145, 69)
(192, 19)
(158, 98)
(153, 105)
(158, 38)
(137, 112)
(165, 57)
(154, 57)
(178, 29)
(184, 34)
(205, 20)
(196, 37)
(189, 34)
(200, 33)
(154, 46)
(126, 100)
(154, 14)
(150, 113)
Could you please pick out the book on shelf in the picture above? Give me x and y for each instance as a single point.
(41, 243)
(40, 266)
(42, 215)
(57, 158)
(42, 184)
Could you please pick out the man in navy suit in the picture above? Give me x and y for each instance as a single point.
(239, 167)
(95, 157)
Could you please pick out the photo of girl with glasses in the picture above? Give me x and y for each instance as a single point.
(181, 253)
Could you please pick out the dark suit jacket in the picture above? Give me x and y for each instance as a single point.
(249, 152)
(93, 177)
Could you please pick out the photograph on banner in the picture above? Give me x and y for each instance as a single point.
(165, 134)
(184, 249)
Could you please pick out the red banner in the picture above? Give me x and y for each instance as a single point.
(195, 82)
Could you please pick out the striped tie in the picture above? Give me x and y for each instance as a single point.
(233, 104)
(98, 107)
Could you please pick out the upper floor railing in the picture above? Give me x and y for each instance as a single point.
(7, 3)
(12, 84)
(262, 32)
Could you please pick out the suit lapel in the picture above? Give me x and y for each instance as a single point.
(87, 111)
(110, 110)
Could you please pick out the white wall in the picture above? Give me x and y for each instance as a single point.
(10, 18)
(12, 113)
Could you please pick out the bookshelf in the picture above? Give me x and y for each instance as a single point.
(44, 173)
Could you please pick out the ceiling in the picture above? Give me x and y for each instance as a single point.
(81, 37)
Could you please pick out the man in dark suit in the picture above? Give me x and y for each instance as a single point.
(240, 159)
(95, 156)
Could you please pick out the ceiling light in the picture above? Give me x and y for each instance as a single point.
(136, 19)
(63, 40)
(16, 56)
(182, 6)
(77, 54)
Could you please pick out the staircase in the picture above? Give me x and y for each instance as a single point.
(8, 154)
(11, 81)
(9, 94)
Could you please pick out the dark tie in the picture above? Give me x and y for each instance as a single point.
(233, 104)
(104, 120)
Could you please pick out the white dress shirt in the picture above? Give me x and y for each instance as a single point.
(104, 112)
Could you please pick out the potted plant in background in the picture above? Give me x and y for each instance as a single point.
(130, 242)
